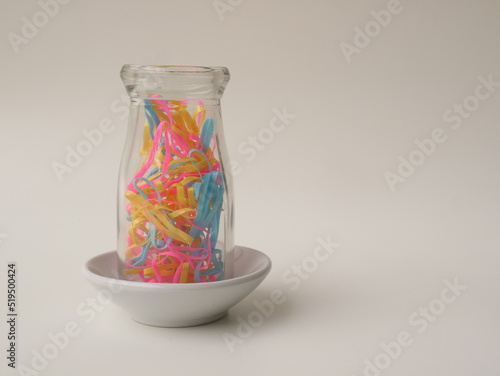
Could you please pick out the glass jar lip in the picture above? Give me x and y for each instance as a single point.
(174, 69)
(175, 81)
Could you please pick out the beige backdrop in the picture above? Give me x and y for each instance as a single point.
(387, 144)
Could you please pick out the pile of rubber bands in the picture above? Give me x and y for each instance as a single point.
(174, 201)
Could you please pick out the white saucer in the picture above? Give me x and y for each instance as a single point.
(179, 304)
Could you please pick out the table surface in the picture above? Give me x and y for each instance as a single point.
(376, 198)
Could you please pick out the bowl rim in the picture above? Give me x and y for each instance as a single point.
(262, 271)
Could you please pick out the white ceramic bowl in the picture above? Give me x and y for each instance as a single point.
(179, 304)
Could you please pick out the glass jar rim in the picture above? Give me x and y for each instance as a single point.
(175, 81)
(176, 69)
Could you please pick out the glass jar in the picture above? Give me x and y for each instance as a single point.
(175, 191)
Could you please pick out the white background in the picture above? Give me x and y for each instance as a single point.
(322, 176)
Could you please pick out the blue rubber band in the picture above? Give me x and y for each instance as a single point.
(141, 259)
(152, 118)
(141, 192)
